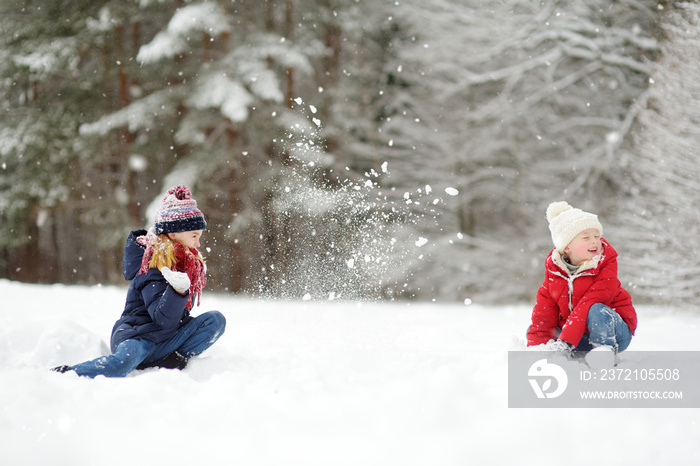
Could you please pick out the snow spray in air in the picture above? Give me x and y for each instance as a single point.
(337, 233)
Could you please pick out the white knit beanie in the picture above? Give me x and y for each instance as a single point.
(565, 223)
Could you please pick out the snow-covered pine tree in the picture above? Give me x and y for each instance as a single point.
(212, 78)
(56, 209)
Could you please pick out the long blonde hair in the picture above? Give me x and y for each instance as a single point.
(163, 253)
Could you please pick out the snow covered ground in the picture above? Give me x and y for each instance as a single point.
(312, 383)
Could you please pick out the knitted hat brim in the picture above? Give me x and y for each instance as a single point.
(191, 223)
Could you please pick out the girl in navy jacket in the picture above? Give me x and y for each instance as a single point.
(167, 276)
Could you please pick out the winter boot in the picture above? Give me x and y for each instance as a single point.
(174, 360)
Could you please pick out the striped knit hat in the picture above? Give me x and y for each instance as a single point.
(178, 212)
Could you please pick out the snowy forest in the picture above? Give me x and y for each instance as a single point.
(358, 149)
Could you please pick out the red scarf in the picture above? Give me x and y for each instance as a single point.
(186, 260)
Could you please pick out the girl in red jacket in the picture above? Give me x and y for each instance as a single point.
(581, 304)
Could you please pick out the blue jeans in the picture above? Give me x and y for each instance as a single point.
(606, 328)
(190, 340)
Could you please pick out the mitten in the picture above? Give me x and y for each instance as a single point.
(178, 280)
(559, 345)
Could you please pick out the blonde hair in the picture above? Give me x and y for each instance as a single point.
(163, 253)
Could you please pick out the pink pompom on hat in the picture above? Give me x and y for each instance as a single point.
(566, 222)
(178, 212)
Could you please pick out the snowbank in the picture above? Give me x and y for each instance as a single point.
(312, 383)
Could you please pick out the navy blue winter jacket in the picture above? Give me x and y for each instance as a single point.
(153, 309)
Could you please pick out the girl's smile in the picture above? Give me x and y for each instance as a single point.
(584, 247)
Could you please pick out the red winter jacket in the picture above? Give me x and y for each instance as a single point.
(563, 300)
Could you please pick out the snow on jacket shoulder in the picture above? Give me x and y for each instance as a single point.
(153, 309)
(563, 300)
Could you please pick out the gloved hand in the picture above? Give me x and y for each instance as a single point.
(559, 345)
(178, 280)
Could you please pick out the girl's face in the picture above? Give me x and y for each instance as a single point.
(584, 246)
(189, 239)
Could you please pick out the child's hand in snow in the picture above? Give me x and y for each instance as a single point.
(178, 280)
(559, 345)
